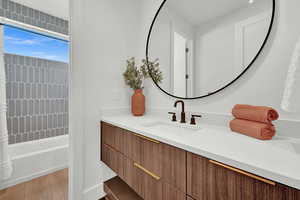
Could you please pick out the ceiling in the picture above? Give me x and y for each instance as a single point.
(58, 8)
(200, 11)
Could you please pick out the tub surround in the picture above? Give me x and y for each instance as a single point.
(40, 109)
(37, 158)
(277, 159)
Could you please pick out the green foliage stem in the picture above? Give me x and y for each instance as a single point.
(134, 76)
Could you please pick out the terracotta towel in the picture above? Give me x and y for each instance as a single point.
(255, 113)
(261, 131)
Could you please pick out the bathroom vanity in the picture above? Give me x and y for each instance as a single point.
(165, 160)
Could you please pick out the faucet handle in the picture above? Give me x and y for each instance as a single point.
(173, 117)
(193, 120)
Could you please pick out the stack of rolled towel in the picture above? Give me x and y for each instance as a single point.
(254, 121)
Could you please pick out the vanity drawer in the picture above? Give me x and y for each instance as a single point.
(151, 155)
(210, 180)
(132, 145)
(142, 181)
(112, 136)
(164, 161)
(113, 159)
(140, 149)
(148, 185)
(133, 176)
(171, 193)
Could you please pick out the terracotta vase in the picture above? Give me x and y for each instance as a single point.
(138, 103)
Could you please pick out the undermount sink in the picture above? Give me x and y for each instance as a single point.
(172, 127)
(289, 144)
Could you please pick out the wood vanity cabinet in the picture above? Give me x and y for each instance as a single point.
(157, 171)
(210, 180)
(154, 170)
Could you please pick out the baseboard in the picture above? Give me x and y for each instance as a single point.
(94, 193)
(30, 177)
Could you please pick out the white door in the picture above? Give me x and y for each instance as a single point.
(250, 35)
(179, 80)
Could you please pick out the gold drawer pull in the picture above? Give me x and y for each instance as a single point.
(146, 138)
(147, 171)
(243, 172)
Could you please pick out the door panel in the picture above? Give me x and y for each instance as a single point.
(174, 167)
(249, 36)
(179, 70)
(198, 177)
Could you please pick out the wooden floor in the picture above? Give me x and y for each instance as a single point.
(51, 187)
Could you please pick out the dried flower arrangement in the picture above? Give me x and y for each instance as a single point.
(135, 76)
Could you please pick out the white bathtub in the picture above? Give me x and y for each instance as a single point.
(37, 158)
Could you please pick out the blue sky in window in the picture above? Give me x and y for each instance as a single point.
(25, 43)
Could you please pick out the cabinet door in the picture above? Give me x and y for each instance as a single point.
(174, 167)
(209, 181)
(198, 179)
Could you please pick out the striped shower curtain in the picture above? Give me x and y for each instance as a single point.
(5, 163)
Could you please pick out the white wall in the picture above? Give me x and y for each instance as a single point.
(262, 85)
(104, 34)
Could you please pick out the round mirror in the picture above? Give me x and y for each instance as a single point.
(205, 46)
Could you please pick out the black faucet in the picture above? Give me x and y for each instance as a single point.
(182, 120)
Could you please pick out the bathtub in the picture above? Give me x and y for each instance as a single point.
(37, 158)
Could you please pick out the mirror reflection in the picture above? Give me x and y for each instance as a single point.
(204, 45)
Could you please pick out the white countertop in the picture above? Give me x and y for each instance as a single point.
(277, 159)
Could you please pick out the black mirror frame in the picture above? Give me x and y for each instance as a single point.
(229, 84)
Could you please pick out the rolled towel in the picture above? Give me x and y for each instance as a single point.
(261, 131)
(255, 113)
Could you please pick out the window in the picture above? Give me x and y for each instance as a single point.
(26, 43)
(37, 73)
